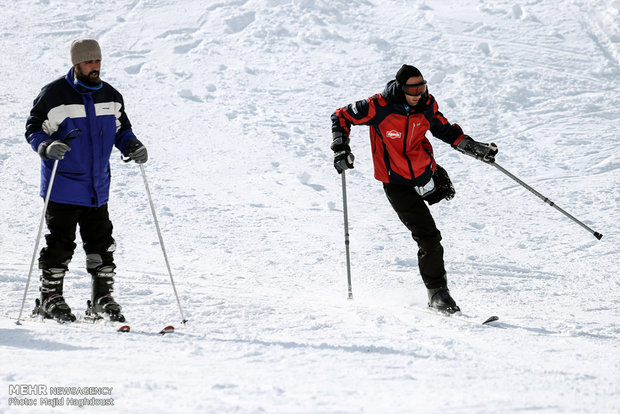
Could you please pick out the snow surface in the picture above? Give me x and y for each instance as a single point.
(232, 99)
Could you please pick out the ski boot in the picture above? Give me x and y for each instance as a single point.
(52, 304)
(102, 303)
(440, 299)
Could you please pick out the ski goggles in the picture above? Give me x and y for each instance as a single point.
(415, 89)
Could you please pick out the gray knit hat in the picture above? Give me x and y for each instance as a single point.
(83, 50)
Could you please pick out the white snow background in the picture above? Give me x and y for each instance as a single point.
(233, 99)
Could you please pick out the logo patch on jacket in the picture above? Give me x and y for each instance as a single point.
(393, 134)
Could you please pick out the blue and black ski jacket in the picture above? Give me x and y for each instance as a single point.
(83, 176)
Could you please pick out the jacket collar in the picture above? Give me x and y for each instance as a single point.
(79, 86)
(396, 97)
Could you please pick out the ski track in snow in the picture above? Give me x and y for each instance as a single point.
(232, 99)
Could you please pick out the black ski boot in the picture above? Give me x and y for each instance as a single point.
(52, 304)
(102, 303)
(441, 300)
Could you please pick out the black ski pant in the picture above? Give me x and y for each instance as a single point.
(95, 231)
(415, 215)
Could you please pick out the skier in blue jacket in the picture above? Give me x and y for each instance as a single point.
(79, 101)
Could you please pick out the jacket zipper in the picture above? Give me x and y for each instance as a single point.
(90, 113)
(405, 148)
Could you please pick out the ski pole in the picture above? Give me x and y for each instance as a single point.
(346, 232)
(546, 200)
(74, 133)
(161, 241)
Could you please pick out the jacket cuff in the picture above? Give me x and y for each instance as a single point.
(41, 149)
(458, 140)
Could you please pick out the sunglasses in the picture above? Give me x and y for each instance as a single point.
(414, 90)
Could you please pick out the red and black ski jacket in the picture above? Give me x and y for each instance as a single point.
(400, 150)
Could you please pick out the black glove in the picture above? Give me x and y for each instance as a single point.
(479, 150)
(343, 159)
(53, 150)
(137, 154)
(442, 188)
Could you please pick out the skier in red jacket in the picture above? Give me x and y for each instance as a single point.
(403, 160)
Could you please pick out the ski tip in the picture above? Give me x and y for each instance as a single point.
(491, 319)
(167, 329)
(124, 328)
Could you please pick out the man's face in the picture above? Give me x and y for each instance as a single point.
(417, 87)
(88, 70)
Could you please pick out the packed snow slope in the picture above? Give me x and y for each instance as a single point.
(233, 99)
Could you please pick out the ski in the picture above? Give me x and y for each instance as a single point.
(491, 319)
(102, 322)
(167, 330)
(118, 326)
(459, 316)
(123, 328)
(92, 318)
